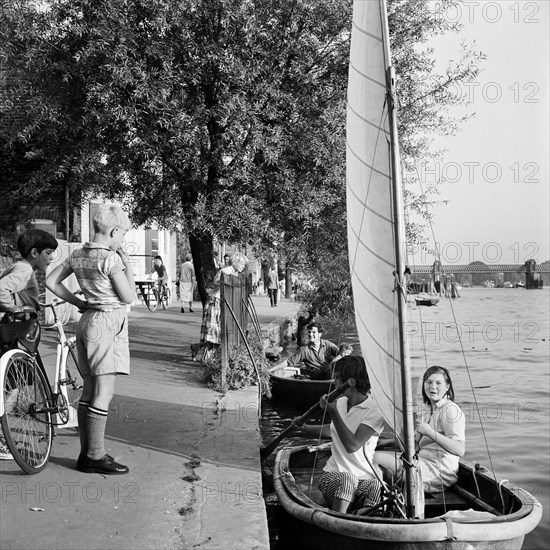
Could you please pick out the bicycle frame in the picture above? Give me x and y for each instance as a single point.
(60, 373)
(60, 376)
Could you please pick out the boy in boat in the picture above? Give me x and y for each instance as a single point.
(104, 273)
(315, 355)
(348, 479)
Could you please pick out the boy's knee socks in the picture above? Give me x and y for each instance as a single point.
(96, 420)
(82, 413)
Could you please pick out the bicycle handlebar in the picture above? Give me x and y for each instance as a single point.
(57, 302)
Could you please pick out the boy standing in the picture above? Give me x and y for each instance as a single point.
(18, 284)
(105, 276)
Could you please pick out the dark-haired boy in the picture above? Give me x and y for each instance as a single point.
(18, 283)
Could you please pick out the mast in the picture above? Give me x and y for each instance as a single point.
(399, 225)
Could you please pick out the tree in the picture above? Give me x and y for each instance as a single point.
(225, 119)
(426, 99)
(181, 108)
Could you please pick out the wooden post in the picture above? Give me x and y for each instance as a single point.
(288, 282)
(224, 344)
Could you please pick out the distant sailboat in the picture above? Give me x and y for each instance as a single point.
(500, 514)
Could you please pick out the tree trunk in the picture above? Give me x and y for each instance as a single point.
(202, 249)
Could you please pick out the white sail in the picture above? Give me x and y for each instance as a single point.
(371, 226)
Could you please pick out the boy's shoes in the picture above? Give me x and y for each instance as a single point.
(105, 465)
(190, 311)
(182, 310)
(4, 451)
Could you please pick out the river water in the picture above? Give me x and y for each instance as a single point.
(501, 374)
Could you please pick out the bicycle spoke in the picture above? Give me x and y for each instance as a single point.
(28, 434)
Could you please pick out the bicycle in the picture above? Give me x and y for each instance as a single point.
(30, 408)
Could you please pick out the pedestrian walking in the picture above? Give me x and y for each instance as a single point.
(273, 286)
(186, 281)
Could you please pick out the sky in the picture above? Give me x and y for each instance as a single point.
(496, 169)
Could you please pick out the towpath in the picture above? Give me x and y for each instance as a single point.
(194, 478)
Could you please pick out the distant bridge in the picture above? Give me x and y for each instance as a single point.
(477, 268)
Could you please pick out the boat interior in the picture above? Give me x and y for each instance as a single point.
(498, 500)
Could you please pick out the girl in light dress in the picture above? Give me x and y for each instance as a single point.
(440, 433)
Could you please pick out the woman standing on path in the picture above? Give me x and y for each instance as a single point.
(186, 280)
(210, 329)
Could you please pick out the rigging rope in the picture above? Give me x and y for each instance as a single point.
(462, 351)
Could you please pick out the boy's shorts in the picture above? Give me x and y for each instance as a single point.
(102, 342)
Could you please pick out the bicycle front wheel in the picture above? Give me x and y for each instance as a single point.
(27, 422)
(152, 299)
(166, 295)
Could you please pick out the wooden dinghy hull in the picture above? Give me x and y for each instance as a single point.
(317, 527)
(301, 394)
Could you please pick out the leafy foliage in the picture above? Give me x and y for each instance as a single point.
(223, 119)
(241, 372)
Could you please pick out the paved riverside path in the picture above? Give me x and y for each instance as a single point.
(193, 455)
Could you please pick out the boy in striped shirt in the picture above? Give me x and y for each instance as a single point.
(105, 276)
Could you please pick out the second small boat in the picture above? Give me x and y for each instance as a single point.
(300, 393)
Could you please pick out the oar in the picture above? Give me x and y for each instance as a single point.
(270, 447)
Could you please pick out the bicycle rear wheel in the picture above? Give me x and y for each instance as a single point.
(28, 433)
(166, 295)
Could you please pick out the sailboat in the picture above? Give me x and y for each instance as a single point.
(479, 511)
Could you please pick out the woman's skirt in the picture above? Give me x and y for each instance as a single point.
(210, 329)
(186, 292)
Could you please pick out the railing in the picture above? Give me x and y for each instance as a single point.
(234, 315)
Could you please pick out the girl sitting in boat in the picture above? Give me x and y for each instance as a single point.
(440, 433)
(348, 477)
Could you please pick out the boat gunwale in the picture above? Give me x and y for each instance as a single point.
(524, 520)
(289, 379)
